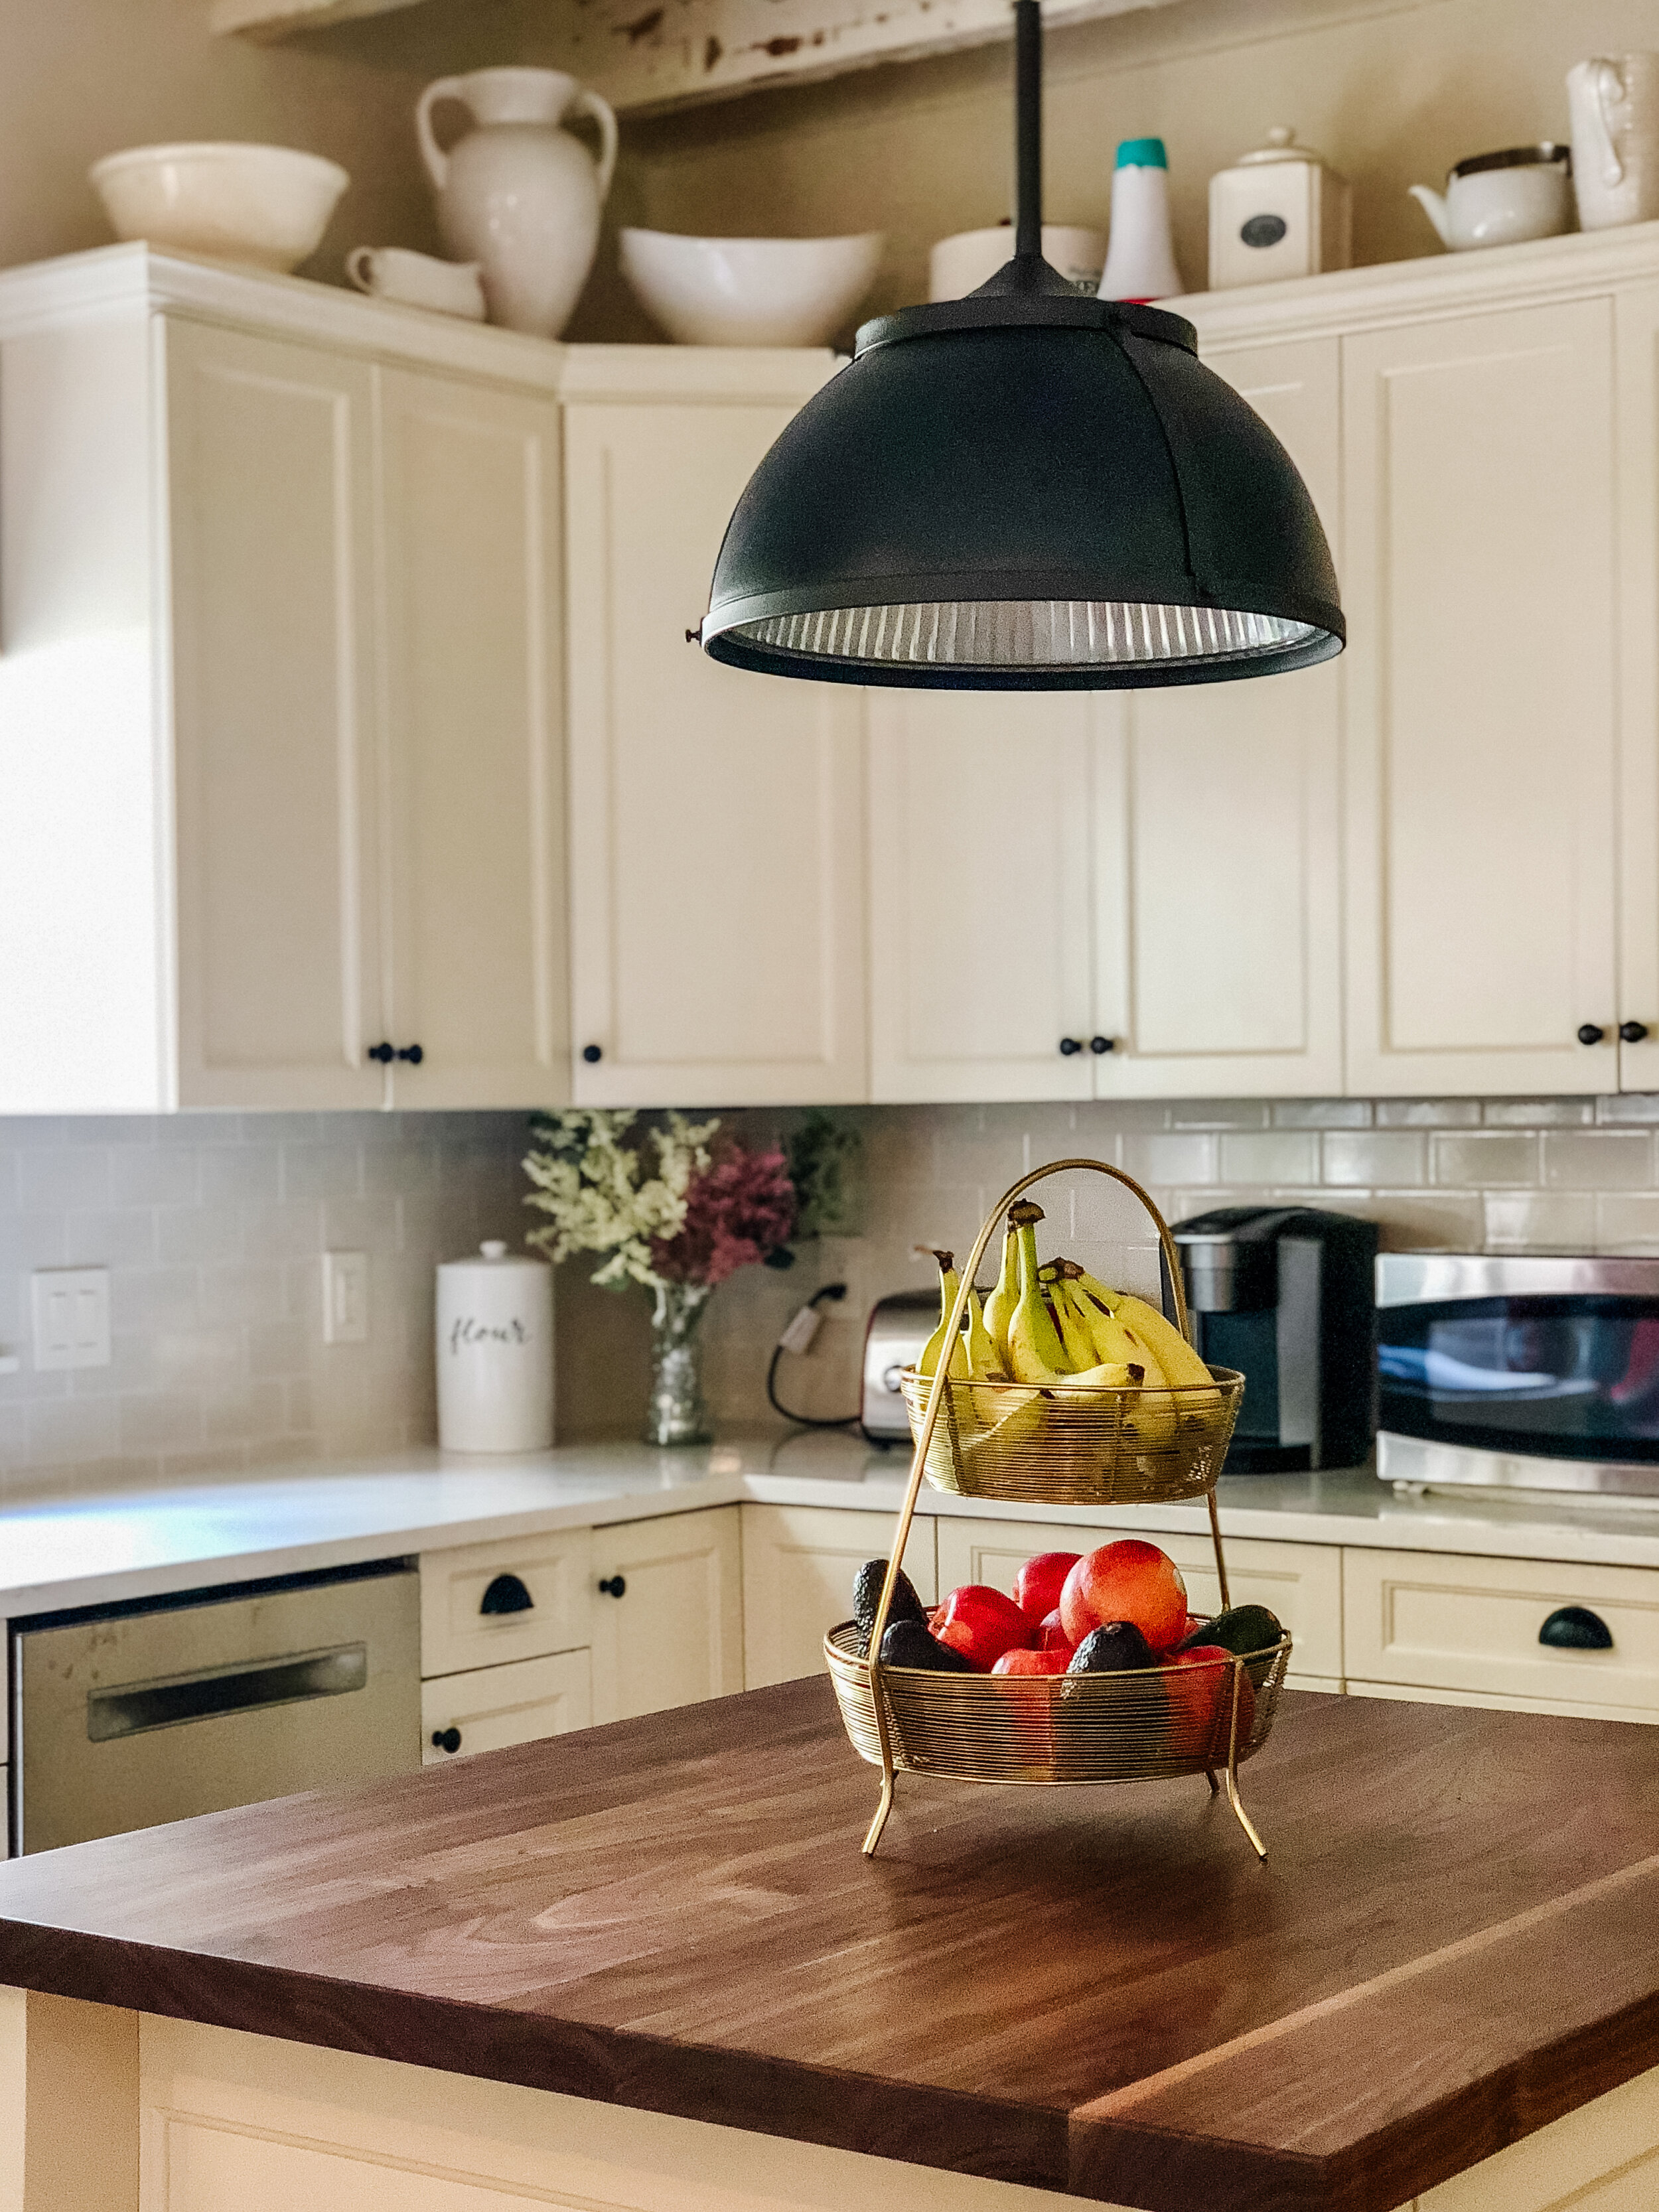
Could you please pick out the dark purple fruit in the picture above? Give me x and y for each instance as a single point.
(866, 1596)
(1113, 1650)
(908, 1644)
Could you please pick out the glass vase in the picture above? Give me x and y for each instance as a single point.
(675, 1413)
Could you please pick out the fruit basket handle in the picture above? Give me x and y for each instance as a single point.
(930, 1422)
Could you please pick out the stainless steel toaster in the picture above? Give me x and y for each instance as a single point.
(899, 1327)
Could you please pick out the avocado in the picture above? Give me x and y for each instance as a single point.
(908, 1644)
(1113, 1650)
(866, 1596)
(1244, 1630)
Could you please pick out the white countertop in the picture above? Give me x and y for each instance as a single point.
(91, 1548)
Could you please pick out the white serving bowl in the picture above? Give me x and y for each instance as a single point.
(750, 291)
(269, 205)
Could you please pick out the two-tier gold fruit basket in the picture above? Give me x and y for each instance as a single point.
(1052, 1445)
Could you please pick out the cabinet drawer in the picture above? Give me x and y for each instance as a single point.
(798, 1561)
(458, 1629)
(494, 1706)
(1301, 1583)
(1446, 1623)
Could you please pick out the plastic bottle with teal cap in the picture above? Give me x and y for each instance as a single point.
(1142, 154)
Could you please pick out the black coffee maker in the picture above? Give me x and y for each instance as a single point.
(1285, 1294)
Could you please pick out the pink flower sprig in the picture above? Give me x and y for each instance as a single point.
(738, 1210)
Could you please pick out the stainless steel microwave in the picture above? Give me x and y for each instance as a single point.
(1531, 1372)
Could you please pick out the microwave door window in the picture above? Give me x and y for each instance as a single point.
(1576, 1378)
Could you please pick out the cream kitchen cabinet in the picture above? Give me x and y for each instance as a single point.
(280, 694)
(1130, 894)
(495, 1706)
(716, 843)
(667, 1619)
(798, 1561)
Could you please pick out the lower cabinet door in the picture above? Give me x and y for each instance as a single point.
(798, 1561)
(1301, 1583)
(1442, 1623)
(667, 1611)
(491, 1707)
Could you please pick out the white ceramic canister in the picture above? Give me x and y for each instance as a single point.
(495, 1353)
(1280, 211)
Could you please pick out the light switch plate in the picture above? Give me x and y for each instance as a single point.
(345, 1297)
(71, 1316)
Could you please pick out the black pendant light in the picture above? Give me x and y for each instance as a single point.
(1027, 489)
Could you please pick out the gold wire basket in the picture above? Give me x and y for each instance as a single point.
(1028, 1443)
(1054, 1445)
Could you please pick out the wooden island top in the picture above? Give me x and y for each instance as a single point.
(1098, 1991)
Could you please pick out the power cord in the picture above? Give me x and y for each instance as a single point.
(798, 1338)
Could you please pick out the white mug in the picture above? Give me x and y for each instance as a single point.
(1614, 99)
(418, 280)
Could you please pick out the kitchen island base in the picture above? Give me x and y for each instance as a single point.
(110, 2110)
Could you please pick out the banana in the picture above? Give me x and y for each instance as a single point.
(1075, 1331)
(999, 1306)
(1035, 1353)
(1111, 1340)
(984, 1366)
(932, 1350)
(1180, 1363)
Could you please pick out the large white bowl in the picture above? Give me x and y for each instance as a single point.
(269, 205)
(750, 291)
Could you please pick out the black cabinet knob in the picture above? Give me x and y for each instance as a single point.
(447, 1739)
(1070, 1045)
(383, 1053)
(413, 1055)
(592, 1054)
(1590, 1033)
(1575, 1628)
(613, 1585)
(1103, 1044)
(1632, 1032)
(507, 1594)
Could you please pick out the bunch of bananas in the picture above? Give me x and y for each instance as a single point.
(1059, 1328)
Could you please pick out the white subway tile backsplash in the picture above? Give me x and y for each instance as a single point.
(1632, 1106)
(1322, 1114)
(1598, 1159)
(153, 1175)
(1486, 1157)
(1626, 1220)
(1428, 1113)
(1538, 1113)
(53, 1177)
(1187, 1158)
(1543, 1220)
(1218, 1114)
(1271, 1155)
(1379, 1156)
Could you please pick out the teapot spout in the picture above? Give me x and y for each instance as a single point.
(1433, 205)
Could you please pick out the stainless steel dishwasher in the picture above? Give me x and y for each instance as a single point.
(125, 1715)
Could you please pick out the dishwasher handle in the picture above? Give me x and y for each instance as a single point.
(293, 1680)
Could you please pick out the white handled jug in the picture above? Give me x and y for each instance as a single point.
(1614, 104)
(517, 194)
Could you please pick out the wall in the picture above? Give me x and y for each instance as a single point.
(1456, 1174)
(86, 77)
(1393, 91)
(212, 1227)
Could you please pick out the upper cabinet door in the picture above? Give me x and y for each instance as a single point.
(1219, 899)
(474, 853)
(980, 901)
(270, 488)
(1638, 321)
(1479, 582)
(716, 850)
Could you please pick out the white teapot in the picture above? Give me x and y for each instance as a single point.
(517, 194)
(1498, 199)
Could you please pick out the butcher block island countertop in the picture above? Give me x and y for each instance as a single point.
(1095, 1991)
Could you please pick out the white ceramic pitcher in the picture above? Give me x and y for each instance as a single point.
(1614, 102)
(518, 193)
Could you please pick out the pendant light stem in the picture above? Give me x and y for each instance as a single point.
(1028, 98)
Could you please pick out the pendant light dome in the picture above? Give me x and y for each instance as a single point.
(1027, 489)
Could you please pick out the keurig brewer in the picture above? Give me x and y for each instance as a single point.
(1283, 1293)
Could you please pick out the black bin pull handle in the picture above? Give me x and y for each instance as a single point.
(507, 1594)
(1575, 1628)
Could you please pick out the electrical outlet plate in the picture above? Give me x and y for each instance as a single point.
(71, 1316)
(345, 1297)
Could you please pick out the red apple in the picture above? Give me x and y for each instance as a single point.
(1200, 1684)
(1031, 1662)
(1051, 1634)
(982, 1624)
(1038, 1584)
(1126, 1581)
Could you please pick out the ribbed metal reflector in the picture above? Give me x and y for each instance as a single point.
(1027, 633)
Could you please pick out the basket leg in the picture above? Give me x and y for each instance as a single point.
(1244, 1820)
(1209, 1776)
(883, 1806)
(1233, 1797)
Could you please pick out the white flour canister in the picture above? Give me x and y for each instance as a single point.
(495, 1353)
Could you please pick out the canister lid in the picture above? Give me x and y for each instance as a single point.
(493, 1254)
(1281, 146)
